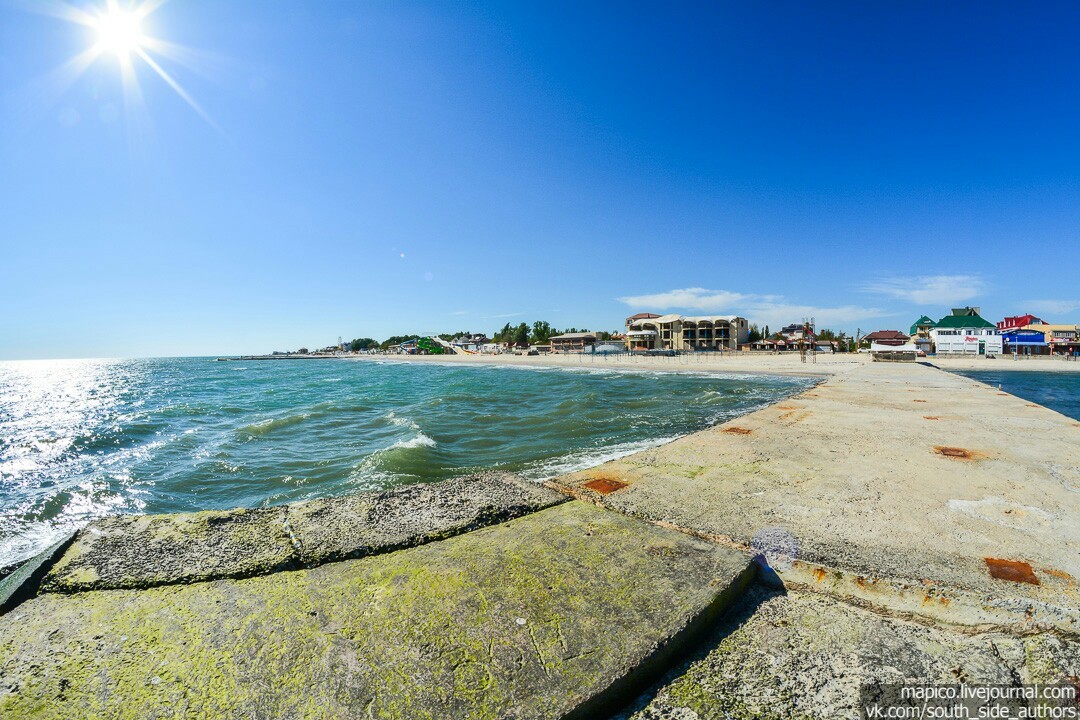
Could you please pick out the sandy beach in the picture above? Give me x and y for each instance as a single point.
(823, 365)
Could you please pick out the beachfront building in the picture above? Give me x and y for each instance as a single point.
(920, 334)
(1060, 339)
(645, 331)
(965, 332)
(470, 343)
(893, 338)
(1023, 341)
(572, 342)
(1019, 321)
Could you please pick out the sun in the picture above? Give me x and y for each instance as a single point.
(117, 28)
(119, 31)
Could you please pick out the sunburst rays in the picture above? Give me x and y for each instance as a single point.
(120, 31)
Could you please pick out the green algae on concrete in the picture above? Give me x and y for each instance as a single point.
(534, 618)
(150, 550)
(131, 551)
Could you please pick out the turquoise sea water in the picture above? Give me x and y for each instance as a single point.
(87, 438)
(1056, 390)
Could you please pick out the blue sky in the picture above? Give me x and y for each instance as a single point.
(376, 168)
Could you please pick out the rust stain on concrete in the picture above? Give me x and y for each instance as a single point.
(1011, 570)
(605, 485)
(1060, 575)
(957, 453)
(737, 430)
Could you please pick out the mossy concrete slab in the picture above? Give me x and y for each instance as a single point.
(540, 617)
(132, 551)
(369, 523)
(140, 551)
(803, 655)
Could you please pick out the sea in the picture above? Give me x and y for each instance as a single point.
(1058, 391)
(83, 439)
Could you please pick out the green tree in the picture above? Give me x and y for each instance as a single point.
(363, 344)
(541, 332)
(397, 340)
(521, 334)
(753, 333)
(505, 335)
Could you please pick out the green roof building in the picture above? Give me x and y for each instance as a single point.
(924, 323)
(963, 321)
(965, 332)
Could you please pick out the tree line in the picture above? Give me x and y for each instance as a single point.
(756, 333)
(539, 333)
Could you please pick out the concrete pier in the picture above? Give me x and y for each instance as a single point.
(909, 524)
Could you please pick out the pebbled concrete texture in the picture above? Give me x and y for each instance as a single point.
(805, 655)
(367, 523)
(133, 551)
(852, 473)
(538, 617)
(138, 551)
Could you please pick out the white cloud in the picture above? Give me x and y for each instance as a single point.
(929, 289)
(1053, 307)
(771, 310)
(504, 315)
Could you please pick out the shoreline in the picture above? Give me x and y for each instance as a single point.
(826, 364)
(842, 496)
(734, 364)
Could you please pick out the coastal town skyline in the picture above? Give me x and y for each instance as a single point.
(247, 176)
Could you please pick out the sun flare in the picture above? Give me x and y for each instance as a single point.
(119, 31)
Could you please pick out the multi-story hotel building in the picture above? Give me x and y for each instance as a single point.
(646, 331)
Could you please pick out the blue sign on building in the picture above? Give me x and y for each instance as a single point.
(1024, 337)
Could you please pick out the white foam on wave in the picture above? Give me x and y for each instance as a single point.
(421, 440)
(592, 457)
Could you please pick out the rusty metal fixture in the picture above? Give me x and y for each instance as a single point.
(604, 485)
(931, 417)
(954, 452)
(922, 401)
(737, 431)
(1011, 570)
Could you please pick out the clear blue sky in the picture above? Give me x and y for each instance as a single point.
(376, 168)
